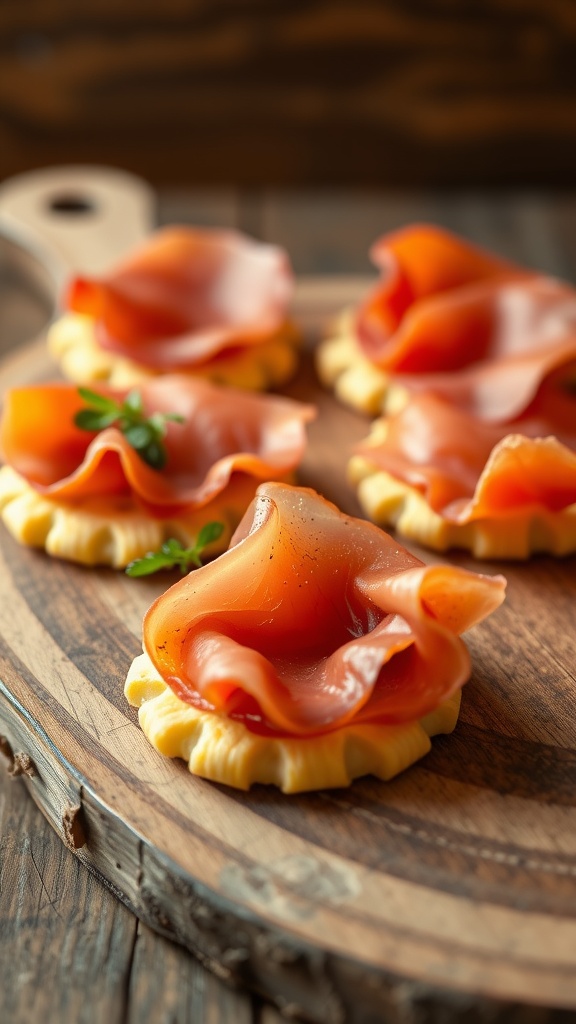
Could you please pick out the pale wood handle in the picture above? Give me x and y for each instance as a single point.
(76, 218)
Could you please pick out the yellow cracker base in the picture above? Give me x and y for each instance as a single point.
(342, 367)
(111, 533)
(72, 343)
(517, 535)
(222, 750)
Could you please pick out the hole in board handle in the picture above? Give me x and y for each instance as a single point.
(71, 204)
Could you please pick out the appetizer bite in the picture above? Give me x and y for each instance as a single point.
(106, 477)
(313, 651)
(204, 302)
(450, 318)
(445, 478)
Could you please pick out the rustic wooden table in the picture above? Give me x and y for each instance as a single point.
(70, 951)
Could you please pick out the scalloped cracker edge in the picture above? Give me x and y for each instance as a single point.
(342, 367)
(112, 532)
(72, 343)
(388, 501)
(223, 750)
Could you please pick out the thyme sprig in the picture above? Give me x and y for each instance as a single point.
(172, 553)
(144, 434)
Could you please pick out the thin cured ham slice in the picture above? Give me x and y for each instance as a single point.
(420, 265)
(479, 331)
(187, 296)
(313, 620)
(225, 433)
(469, 469)
(445, 478)
(447, 317)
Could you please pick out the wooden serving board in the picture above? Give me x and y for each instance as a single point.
(456, 881)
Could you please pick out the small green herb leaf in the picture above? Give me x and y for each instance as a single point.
(101, 402)
(171, 547)
(139, 435)
(133, 402)
(145, 435)
(151, 562)
(172, 553)
(91, 419)
(208, 534)
(154, 454)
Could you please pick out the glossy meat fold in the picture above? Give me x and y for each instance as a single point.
(476, 330)
(449, 318)
(469, 469)
(313, 619)
(225, 434)
(186, 296)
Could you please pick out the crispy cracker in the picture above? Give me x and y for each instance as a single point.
(114, 531)
(517, 534)
(358, 383)
(72, 342)
(218, 748)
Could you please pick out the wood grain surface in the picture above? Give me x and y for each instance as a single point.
(459, 876)
(70, 951)
(254, 93)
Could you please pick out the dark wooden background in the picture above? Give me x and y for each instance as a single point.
(293, 92)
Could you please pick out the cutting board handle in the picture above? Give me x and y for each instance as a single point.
(77, 218)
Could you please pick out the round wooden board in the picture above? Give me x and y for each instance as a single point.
(457, 879)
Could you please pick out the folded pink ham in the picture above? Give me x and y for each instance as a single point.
(186, 296)
(479, 331)
(468, 468)
(225, 432)
(313, 619)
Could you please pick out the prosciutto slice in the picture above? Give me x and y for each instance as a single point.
(187, 295)
(225, 432)
(475, 329)
(468, 468)
(313, 619)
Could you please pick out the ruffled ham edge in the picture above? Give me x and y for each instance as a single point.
(398, 671)
(418, 263)
(519, 326)
(152, 310)
(486, 472)
(73, 465)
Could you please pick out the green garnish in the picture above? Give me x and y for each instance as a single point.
(145, 435)
(172, 553)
